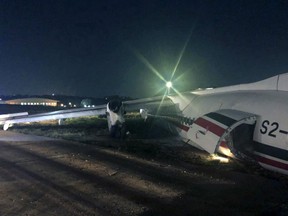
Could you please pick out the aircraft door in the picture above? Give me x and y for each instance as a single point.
(214, 131)
(239, 141)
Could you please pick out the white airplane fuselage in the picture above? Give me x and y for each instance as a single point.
(263, 101)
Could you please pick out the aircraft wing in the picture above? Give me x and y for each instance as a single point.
(155, 105)
(61, 114)
(151, 104)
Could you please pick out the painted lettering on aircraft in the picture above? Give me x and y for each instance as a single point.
(269, 128)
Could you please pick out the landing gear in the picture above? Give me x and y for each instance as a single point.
(118, 131)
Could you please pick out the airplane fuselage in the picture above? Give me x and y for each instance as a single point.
(270, 130)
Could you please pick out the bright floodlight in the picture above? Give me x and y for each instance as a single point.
(169, 85)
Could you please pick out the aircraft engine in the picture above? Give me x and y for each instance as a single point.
(115, 117)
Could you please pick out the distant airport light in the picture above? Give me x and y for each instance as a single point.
(169, 84)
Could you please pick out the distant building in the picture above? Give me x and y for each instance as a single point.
(33, 102)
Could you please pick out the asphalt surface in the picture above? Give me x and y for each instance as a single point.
(45, 176)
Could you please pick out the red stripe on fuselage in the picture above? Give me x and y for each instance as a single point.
(183, 127)
(272, 162)
(210, 126)
(223, 144)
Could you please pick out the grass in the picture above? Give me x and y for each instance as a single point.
(71, 129)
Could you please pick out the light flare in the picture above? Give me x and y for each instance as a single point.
(168, 84)
(221, 159)
(181, 55)
(149, 65)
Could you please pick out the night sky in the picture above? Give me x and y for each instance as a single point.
(100, 48)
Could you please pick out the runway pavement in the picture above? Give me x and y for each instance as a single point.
(37, 177)
(17, 137)
(45, 176)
